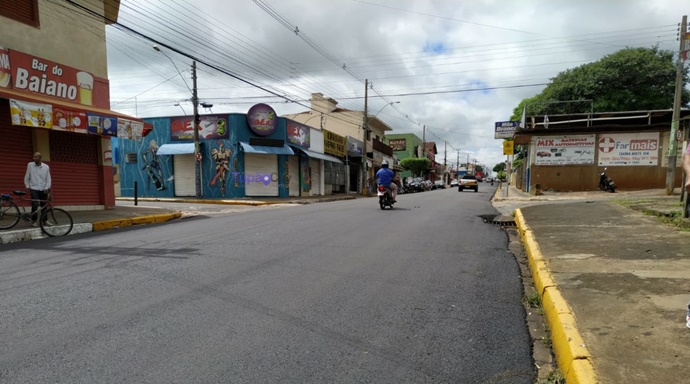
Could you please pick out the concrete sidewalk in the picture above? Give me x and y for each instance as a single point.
(125, 216)
(614, 282)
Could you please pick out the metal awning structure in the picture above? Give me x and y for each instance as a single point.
(321, 156)
(266, 150)
(176, 149)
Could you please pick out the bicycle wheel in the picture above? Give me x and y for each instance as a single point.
(56, 222)
(9, 214)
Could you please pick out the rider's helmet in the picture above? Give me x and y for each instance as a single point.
(384, 164)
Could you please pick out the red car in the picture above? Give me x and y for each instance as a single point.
(543, 154)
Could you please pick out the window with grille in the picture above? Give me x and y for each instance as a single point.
(131, 158)
(67, 147)
(23, 11)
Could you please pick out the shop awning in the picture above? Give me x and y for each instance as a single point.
(176, 149)
(265, 150)
(7, 93)
(321, 156)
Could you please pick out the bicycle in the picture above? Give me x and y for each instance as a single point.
(54, 221)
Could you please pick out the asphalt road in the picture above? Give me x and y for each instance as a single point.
(336, 292)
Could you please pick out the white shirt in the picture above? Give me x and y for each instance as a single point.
(37, 176)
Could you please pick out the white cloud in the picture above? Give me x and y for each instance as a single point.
(412, 51)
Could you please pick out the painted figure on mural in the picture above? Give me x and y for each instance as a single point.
(306, 178)
(152, 166)
(221, 156)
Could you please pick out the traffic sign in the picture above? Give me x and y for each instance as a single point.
(508, 147)
(505, 129)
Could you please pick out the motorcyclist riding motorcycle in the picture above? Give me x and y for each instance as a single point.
(385, 177)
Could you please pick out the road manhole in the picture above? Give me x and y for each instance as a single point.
(501, 220)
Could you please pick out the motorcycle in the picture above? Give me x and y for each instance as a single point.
(385, 197)
(606, 183)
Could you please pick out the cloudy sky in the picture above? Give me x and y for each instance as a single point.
(454, 66)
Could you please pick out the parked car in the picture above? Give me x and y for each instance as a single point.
(417, 184)
(439, 184)
(468, 182)
(454, 183)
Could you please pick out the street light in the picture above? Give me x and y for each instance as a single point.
(183, 111)
(391, 103)
(195, 121)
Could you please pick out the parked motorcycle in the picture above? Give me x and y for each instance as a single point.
(385, 197)
(606, 183)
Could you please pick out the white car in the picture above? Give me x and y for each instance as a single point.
(454, 183)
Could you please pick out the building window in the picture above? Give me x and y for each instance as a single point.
(23, 11)
(131, 158)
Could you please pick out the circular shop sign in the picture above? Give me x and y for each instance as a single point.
(262, 119)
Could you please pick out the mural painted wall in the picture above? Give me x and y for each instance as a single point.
(154, 173)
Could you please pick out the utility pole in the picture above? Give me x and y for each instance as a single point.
(445, 162)
(424, 141)
(195, 124)
(365, 124)
(457, 165)
(675, 122)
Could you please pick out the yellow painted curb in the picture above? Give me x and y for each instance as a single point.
(121, 223)
(108, 224)
(567, 343)
(581, 372)
(194, 201)
(572, 356)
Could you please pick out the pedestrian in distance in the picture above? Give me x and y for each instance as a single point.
(37, 181)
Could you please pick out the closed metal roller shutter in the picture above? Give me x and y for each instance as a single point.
(293, 172)
(16, 151)
(185, 178)
(315, 165)
(76, 175)
(261, 164)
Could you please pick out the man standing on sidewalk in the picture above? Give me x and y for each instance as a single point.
(37, 181)
(686, 169)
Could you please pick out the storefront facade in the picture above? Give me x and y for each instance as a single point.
(404, 146)
(242, 155)
(568, 152)
(355, 148)
(61, 112)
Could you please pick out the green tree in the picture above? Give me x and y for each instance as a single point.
(479, 168)
(632, 79)
(417, 165)
(499, 167)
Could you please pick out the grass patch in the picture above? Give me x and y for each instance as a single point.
(547, 339)
(554, 377)
(669, 213)
(533, 300)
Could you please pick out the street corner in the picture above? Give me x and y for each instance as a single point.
(122, 223)
(153, 219)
